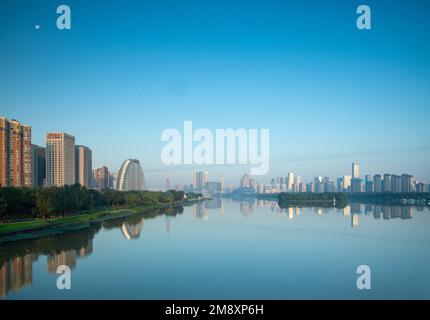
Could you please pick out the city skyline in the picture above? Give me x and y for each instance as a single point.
(87, 176)
(351, 101)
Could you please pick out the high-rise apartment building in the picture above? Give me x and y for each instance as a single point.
(38, 165)
(407, 183)
(377, 183)
(60, 159)
(396, 183)
(386, 184)
(83, 166)
(15, 154)
(102, 178)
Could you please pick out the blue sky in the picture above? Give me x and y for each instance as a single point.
(329, 93)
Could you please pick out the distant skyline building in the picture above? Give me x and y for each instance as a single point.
(213, 187)
(244, 182)
(167, 186)
(15, 154)
(396, 183)
(356, 185)
(199, 179)
(346, 183)
(83, 166)
(386, 183)
(377, 183)
(60, 159)
(290, 181)
(407, 183)
(355, 170)
(38, 165)
(130, 176)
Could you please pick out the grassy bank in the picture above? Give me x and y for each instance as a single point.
(41, 227)
(14, 227)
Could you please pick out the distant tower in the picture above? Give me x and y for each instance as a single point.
(290, 181)
(221, 180)
(167, 184)
(355, 170)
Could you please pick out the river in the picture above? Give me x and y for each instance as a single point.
(226, 249)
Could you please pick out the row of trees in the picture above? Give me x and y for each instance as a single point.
(75, 199)
(387, 197)
(324, 199)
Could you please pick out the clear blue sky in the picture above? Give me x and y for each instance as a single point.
(329, 93)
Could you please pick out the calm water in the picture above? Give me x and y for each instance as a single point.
(222, 249)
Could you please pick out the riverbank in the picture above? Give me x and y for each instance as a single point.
(16, 231)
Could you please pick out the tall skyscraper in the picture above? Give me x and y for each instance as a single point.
(355, 170)
(60, 159)
(290, 181)
(38, 165)
(205, 177)
(346, 183)
(167, 187)
(83, 166)
(200, 179)
(339, 184)
(297, 184)
(15, 154)
(102, 178)
(194, 180)
(319, 184)
(221, 180)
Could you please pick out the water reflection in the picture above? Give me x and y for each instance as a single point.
(16, 273)
(132, 230)
(16, 258)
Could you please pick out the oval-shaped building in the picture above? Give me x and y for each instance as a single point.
(130, 176)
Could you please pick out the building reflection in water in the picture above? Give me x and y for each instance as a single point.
(132, 230)
(200, 211)
(68, 257)
(16, 273)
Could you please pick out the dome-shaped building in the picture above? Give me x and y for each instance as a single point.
(130, 176)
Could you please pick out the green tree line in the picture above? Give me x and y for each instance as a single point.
(75, 199)
(308, 198)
